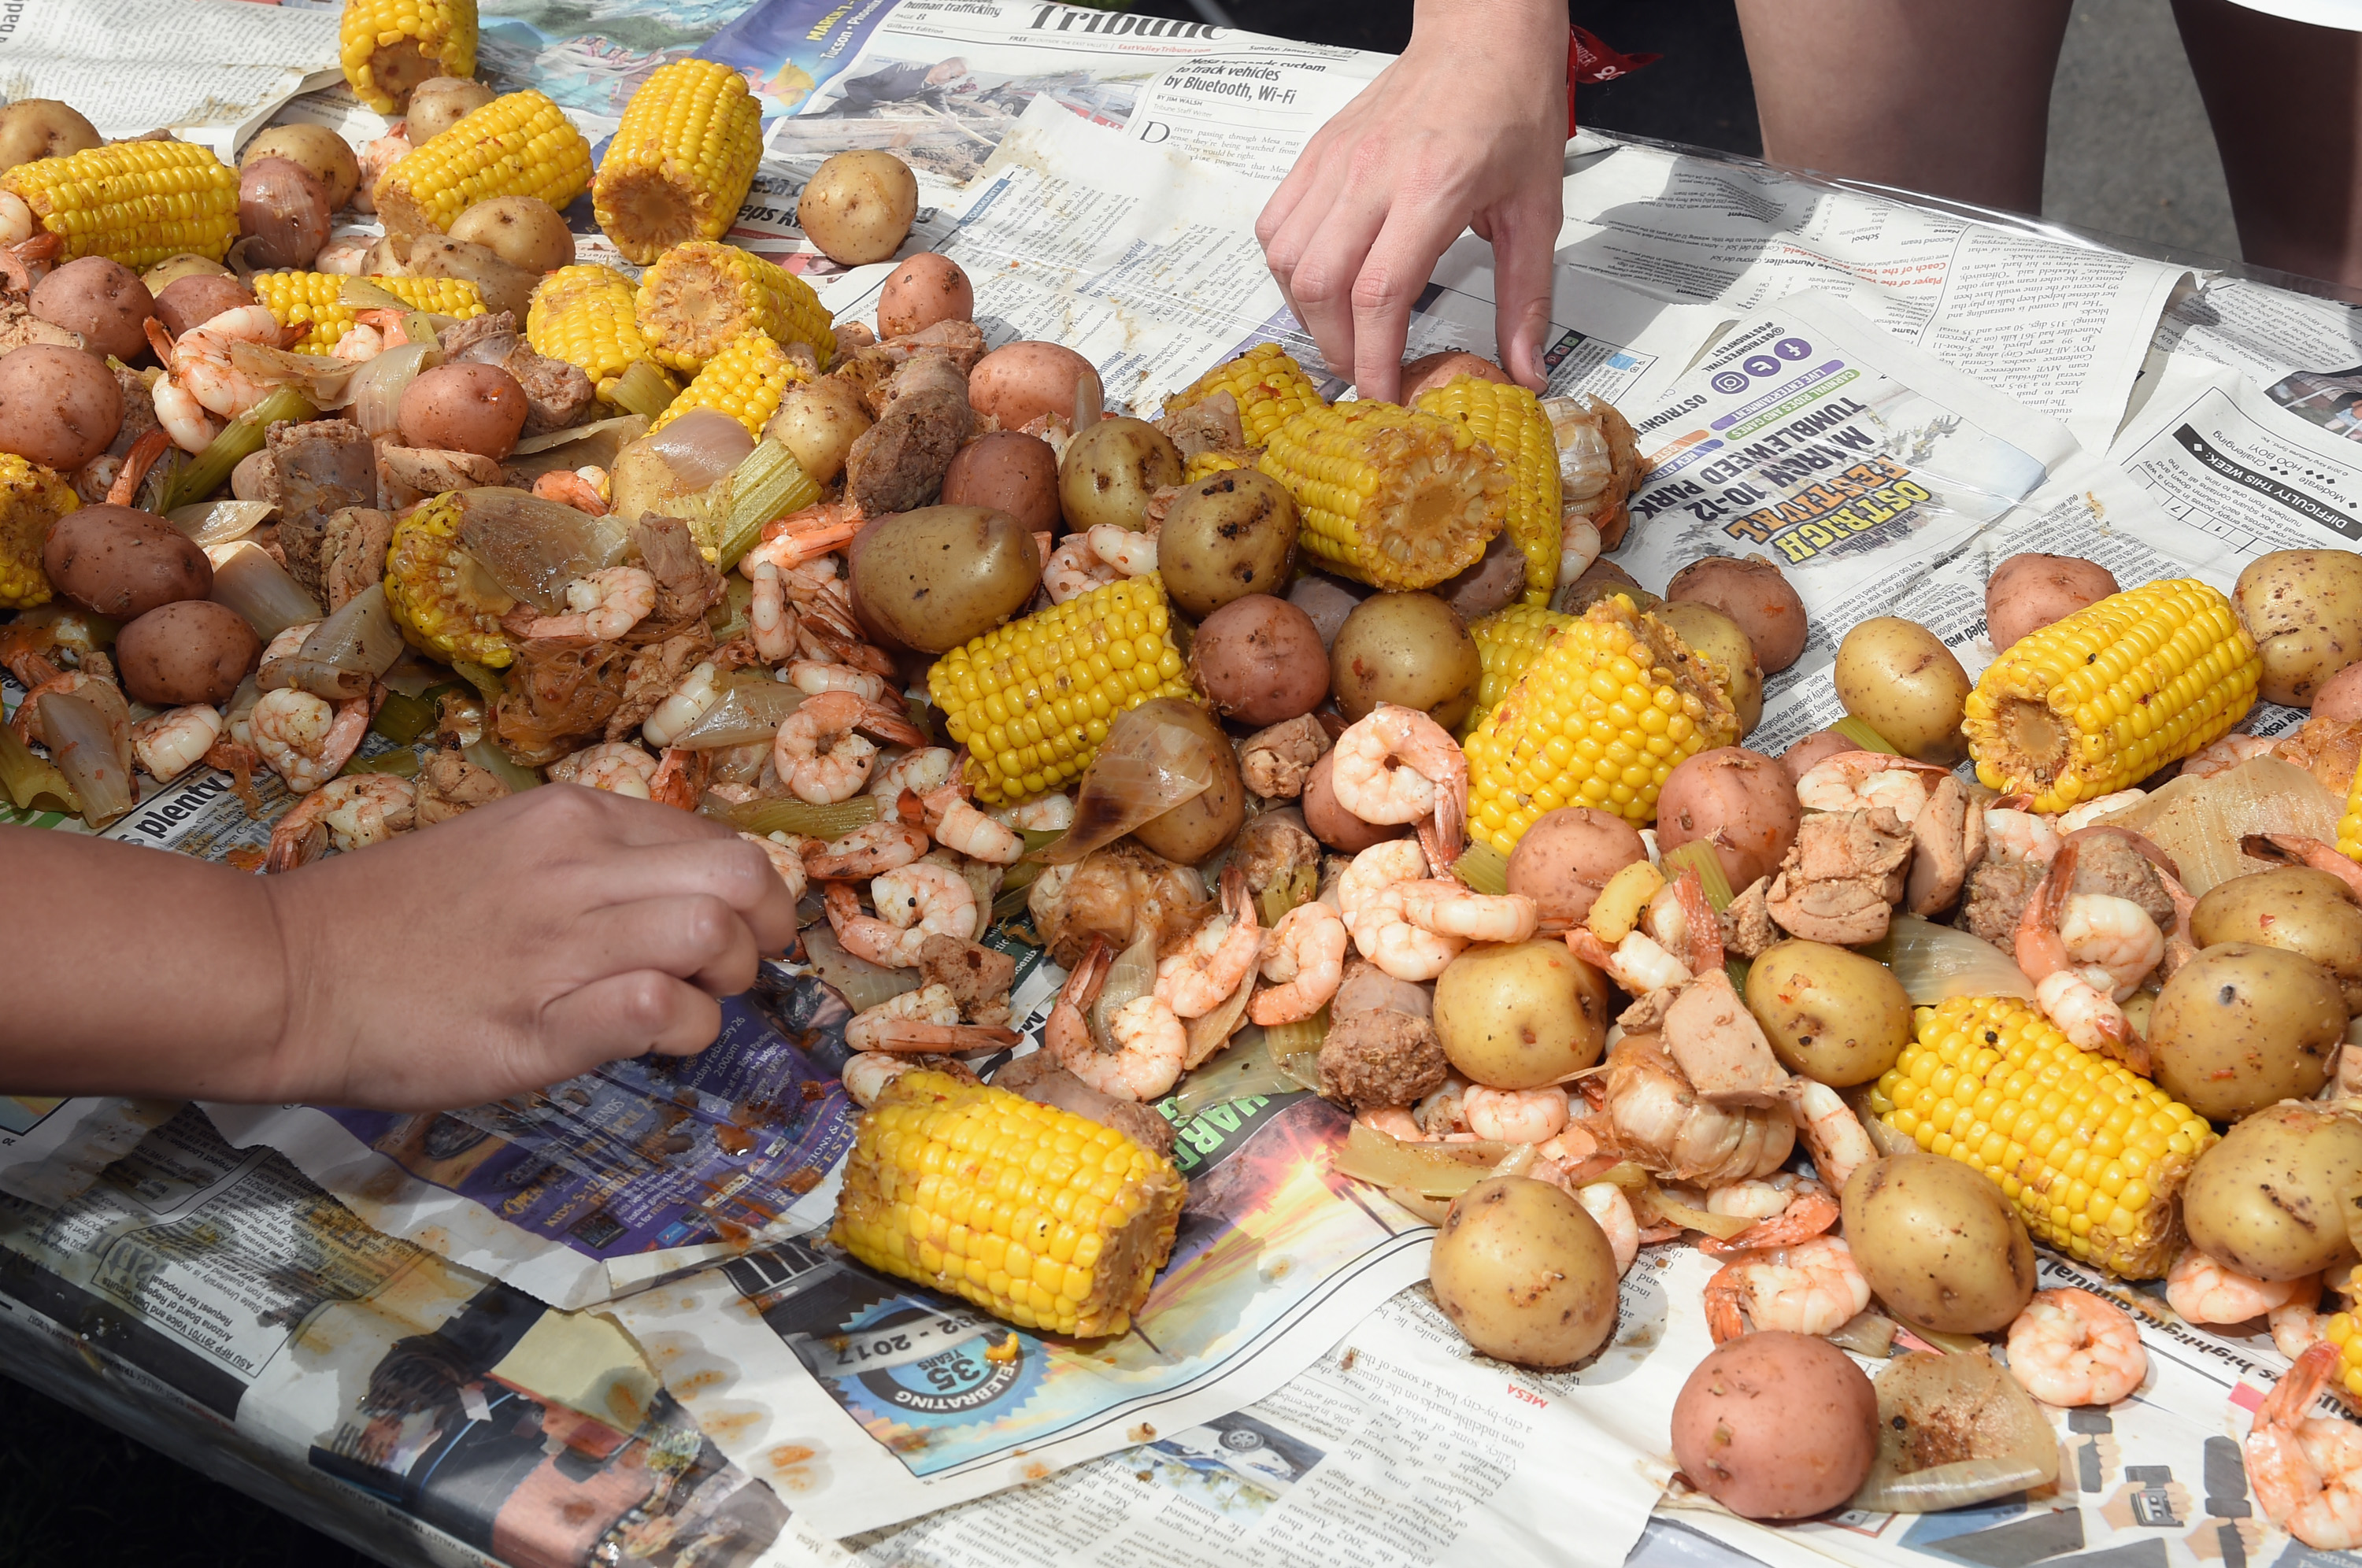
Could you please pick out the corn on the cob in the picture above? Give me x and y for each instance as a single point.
(1507, 643)
(1206, 465)
(1270, 387)
(2092, 1157)
(521, 145)
(681, 159)
(2350, 825)
(702, 294)
(584, 316)
(1510, 420)
(1040, 1217)
(133, 202)
(1031, 700)
(1393, 497)
(2100, 700)
(1608, 709)
(745, 381)
(317, 300)
(389, 47)
(32, 498)
(434, 589)
(2344, 1331)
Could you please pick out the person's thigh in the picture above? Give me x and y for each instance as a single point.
(2287, 116)
(1948, 96)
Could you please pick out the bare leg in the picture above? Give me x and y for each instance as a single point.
(2287, 113)
(1948, 97)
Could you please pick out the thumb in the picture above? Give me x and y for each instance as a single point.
(1521, 287)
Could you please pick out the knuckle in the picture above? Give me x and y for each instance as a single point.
(1313, 284)
(1375, 288)
(707, 925)
(644, 1003)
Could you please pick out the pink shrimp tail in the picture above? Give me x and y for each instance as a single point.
(1589, 948)
(2285, 1406)
(135, 464)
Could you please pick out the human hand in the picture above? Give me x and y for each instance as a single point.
(514, 948)
(1467, 129)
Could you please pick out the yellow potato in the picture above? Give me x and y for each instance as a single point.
(1830, 1014)
(441, 102)
(327, 155)
(33, 129)
(1939, 1243)
(1524, 1274)
(859, 205)
(1521, 1014)
(1898, 678)
(524, 231)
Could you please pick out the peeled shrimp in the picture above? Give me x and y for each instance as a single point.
(867, 851)
(921, 1022)
(914, 903)
(1807, 1211)
(783, 858)
(617, 766)
(817, 755)
(1217, 958)
(351, 814)
(1606, 1202)
(1074, 569)
(1448, 908)
(2307, 1470)
(1051, 813)
(2071, 1348)
(168, 744)
(2204, 1291)
(2019, 838)
(1302, 964)
(1637, 963)
(1151, 1044)
(603, 606)
(2224, 756)
(1814, 1287)
(1381, 864)
(2077, 818)
(1399, 766)
(1384, 932)
(1833, 1135)
(959, 826)
(198, 362)
(304, 739)
(1515, 1116)
(812, 678)
(1852, 780)
(2082, 998)
(1129, 552)
(866, 1074)
(698, 694)
(922, 772)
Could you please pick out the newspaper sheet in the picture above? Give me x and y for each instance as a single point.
(207, 70)
(2061, 329)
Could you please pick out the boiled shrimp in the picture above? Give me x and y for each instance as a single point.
(802, 537)
(2075, 819)
(866, 1074)
(2071, 1348)
(2080, 999)
(913, 902)
(351, 814)
(1807, 1210)
(1441, 1110)
(1303, 965)
(781, 853)
(1217, 958)
(2224, 756)
(1758, 1198)
(698, 693)
(1448, 908)
(959, 826)
(1515, 1116)
(1833, 1135)
(922, 772)
(817, 755)
(1399, 766)
(1380, 865)
(199, 362)
(17, 221)
(2019, 837)
(1639, 962)
(2299, 1325)
(2306, 1471)
(811, 677)
(1151, 1044)
(921, 1022)
(617, 766)
(1606, 1202)
(603, 606)
(1661, 1122)
(578, 488)
(1813, 1287)
(2204, 1291)
(1855, 780)
(1051, 813)
(867, 852)
(1131, 553)
(770, 626)
(168, 744)
(1074, 569)
(1395, 1121)
(1384, 932)
(305, 740)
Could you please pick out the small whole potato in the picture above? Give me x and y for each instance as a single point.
(1010, 471)
(818, 422)
(1226, 536)
(504, 288)
(1518, 1015)
(439, 102)
(463, 408)
(932, 579)
(2304, 609)
(1437, 369)
(1408, 649)
(1776, 1426)
(2272, 1199)
(1497, 581)
(1741, 803)
(59, 407)
(2340, 697)
(858, 206)
(1818, 747)
(1830, 1014)
(2028, 592)
(1259, 660)
(1108, 472)
(192, 651)
(2294, 907)
(925, 289)
(1707, 631)
(1898, 678)
(1020, 383)
(194, 299)
(172, 268)
(1567, 857)
(1524, 1272)
(103, 300)
(1938, 1243)
(35, 128)
(1204, 823)
(2240, 1026)
(284, 209)
(328, 156)
(1755, 594)
(524, 231)
(1600, 579)
(1328, 600)
(122, 562)
(1331, 823)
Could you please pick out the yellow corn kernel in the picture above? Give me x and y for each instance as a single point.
(132, 201)
(2092, 1157)
(1510, 421)
(680, 161)
(1507, 642)
(1391, 496)
(702, 294)
(2349, 826)
(745, 381)
(438, 593)
(521, 145)
(317, 300)
(584, 316)
(32, 500)
(1270, 389)
(389, 47)
(1031, 700)
(2100, 700)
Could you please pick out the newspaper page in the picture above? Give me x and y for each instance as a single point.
(50, 1149)
(2061, 329)
(208, 71)
(2306, 352)
(868, 1400)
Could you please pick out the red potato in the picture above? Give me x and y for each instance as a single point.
(1813, 750)
(1776, 1426)
(286, 209)
(1429, 370)
(103, 300)
(2028, 592)
(464, 408)
(194, 651)
(193, 301)
(1567, 856)
(1259, 660)
(1331, 823)
(1010, 472)
(59, 407)
(122, 562)
(2340, 697)
(1020, 383)
(925, 289)
(1739, 801)
(1754, 593)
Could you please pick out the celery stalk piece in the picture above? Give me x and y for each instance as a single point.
(804, 819)
(644, 389)
(488, 756)
(768, 483)
(1863, 737)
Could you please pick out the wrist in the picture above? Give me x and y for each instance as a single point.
(1517, 47)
